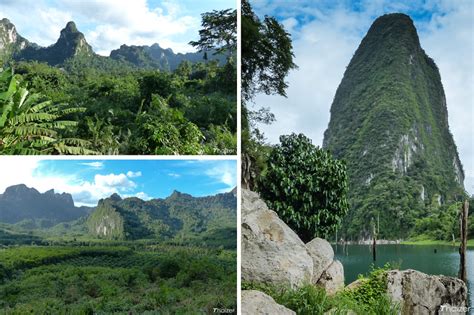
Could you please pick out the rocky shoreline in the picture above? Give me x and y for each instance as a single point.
(273, 254)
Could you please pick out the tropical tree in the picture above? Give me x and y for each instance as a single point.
(267, 58)
(267, 54)
(31, 124)
(219, 32)
(305, 186)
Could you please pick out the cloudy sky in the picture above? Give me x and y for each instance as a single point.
(90, 180)
(326, 34)
(107, 24)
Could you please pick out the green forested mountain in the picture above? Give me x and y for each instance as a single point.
(159, 58)
(179, 215)
(71, 43)
(20, 203)
(389, 122)
(11, 42)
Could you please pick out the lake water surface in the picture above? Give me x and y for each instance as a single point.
(434, 260)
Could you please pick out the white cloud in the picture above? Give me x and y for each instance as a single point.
(175, 175)
(224, 174)
(134, 174)
(142, 195)
(94, 165)
(324, 47)
(112, 180)
(22, 170)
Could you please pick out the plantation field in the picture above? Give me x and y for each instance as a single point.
(145, 279)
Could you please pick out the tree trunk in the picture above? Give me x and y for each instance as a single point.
(462, 247)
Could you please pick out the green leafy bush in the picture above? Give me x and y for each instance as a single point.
(305, 186)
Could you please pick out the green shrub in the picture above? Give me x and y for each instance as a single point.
(305, 186)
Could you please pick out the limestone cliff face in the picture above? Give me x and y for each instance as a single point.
(106, 221)
(389, 122)
(10, 41)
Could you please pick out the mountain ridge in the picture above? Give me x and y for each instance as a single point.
(120, 218)
(20, 202)
(72, 43)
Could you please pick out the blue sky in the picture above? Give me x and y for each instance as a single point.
(325, 36)
(107, 24)
(90, 180)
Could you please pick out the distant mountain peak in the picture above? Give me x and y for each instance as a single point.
(20, 202)
(70, 28)
(177, 194)
(115, 197)
(73, 41)
(18, 190)
(70, 43)
(5, 21)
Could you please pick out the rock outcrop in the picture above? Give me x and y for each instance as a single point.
(322, 254)
(419, 293)
(273, 253)
(332, 279)
(256, 302)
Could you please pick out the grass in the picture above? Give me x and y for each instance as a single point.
(368, 298)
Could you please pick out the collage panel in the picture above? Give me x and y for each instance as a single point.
(113, 236)
(118, 78)
(357, 186)
(236, 157)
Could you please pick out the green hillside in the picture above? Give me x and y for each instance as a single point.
(179, 216)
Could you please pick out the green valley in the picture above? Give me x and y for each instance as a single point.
(169, 256)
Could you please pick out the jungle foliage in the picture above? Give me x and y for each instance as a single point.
(120, 280)
(305, 186)
(83, 103)
(368, 298)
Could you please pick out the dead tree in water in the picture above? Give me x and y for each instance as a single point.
(374, 244)
(462, 247)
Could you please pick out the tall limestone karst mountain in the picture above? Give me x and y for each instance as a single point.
(178, 214)
(389, 122)
(72, 43)
(19, 203)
